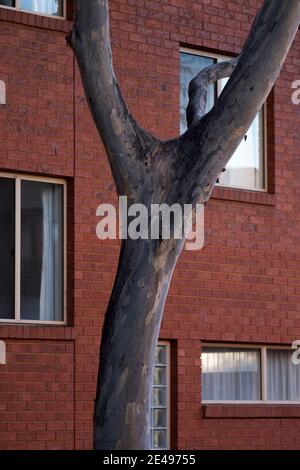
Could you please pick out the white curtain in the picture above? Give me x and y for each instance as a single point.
(283, 376)
(230, 374)
(46, 6)
(49, 7)
(245, 168)
(51, 279)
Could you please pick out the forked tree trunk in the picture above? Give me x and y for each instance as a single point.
(184, 171)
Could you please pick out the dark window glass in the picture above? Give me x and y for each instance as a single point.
(7, 242)
(41, 251)
(8, 3)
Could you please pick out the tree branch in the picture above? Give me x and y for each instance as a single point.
(199, 85)
(207, 146)
(125, 142)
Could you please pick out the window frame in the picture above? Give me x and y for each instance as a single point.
(263, 375)
(168, 396)
(219, 57)
(17, 7)
(17, 275)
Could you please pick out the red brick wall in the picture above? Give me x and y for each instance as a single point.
(37, 389)
(242, 287)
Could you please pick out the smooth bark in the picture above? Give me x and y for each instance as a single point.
(182, 170)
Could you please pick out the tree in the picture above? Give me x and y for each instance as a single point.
(182, 170)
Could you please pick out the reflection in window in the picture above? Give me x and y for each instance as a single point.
(246, 168)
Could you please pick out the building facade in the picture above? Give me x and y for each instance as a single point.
(235, 303)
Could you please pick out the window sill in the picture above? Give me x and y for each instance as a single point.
(35, 20)
(263, 410)
(243, 195)
(52, 332)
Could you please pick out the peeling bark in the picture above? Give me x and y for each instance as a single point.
(182, 170)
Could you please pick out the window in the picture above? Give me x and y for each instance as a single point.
(246, 168)
(259, 374)
(160, 398)
(283, 376)
(32, 235)
(44, 7)
(230, 374)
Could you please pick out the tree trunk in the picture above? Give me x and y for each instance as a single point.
(182, 170)
(130, 334)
